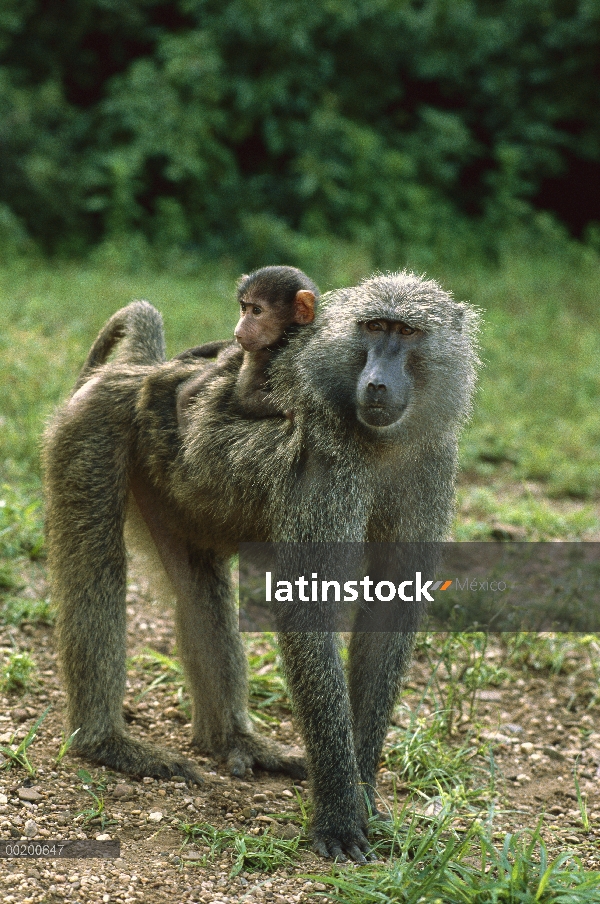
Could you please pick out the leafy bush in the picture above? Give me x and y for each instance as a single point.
(196, 124)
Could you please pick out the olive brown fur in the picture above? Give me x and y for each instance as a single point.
(380, 384)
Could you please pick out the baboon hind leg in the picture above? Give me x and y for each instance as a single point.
(86, 473)
(215, 663)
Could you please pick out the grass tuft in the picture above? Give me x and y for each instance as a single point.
(264, 852)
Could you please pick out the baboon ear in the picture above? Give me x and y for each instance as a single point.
(304, 306)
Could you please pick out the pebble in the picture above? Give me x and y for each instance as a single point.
(388, 776)
(122, 791)
(553, 753)
(30, 828)
(287, 831)
(20, 715)
(155, 816)
(29, 794)
(434, 808)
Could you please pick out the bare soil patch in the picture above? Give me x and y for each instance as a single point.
(542, 727)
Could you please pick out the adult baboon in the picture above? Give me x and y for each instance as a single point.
(380, 384)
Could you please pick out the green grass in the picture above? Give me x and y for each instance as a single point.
(50, 316)
(17, 753)
(535, 417)
(16, 610)
(536, 413)
(519, 513)
(263, 852)
(21, 529)
(435, 864)
(16, 673)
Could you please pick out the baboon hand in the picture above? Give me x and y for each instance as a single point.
(354, 846)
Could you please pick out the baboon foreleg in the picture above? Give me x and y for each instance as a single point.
(315, 678)
(377, 663)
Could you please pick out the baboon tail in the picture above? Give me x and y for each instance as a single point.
(139, 330)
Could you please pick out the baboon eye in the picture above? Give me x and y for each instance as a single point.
(256, 309)
(407, 330)
(375, 326)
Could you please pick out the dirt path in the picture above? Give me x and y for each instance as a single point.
(539, 726)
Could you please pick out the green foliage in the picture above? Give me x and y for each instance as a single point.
(16, 610)
(20, 526)
(266, 686)
(50, 317)
(459, 667)
(264, 853)
(436, 864)
(17, 755)
(425, 762)
(534, 427)
(16, 672)
(535, 413)
(96, 811)
(8, 580)
(65, 746)
(556, 653)
(187, 127)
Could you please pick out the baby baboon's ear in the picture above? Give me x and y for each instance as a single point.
(304, 306)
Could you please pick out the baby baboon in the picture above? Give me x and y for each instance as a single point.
(272, 300)
(380, 384)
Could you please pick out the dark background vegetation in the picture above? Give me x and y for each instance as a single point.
(260, 128)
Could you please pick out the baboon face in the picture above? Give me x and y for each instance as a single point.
(271, 300)
(258, 326)
(385, 385)
(263, 322)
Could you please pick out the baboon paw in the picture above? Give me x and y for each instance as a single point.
(354, 847)
(127, 755)
(294, 766)
(250, 752)
(183, 768)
